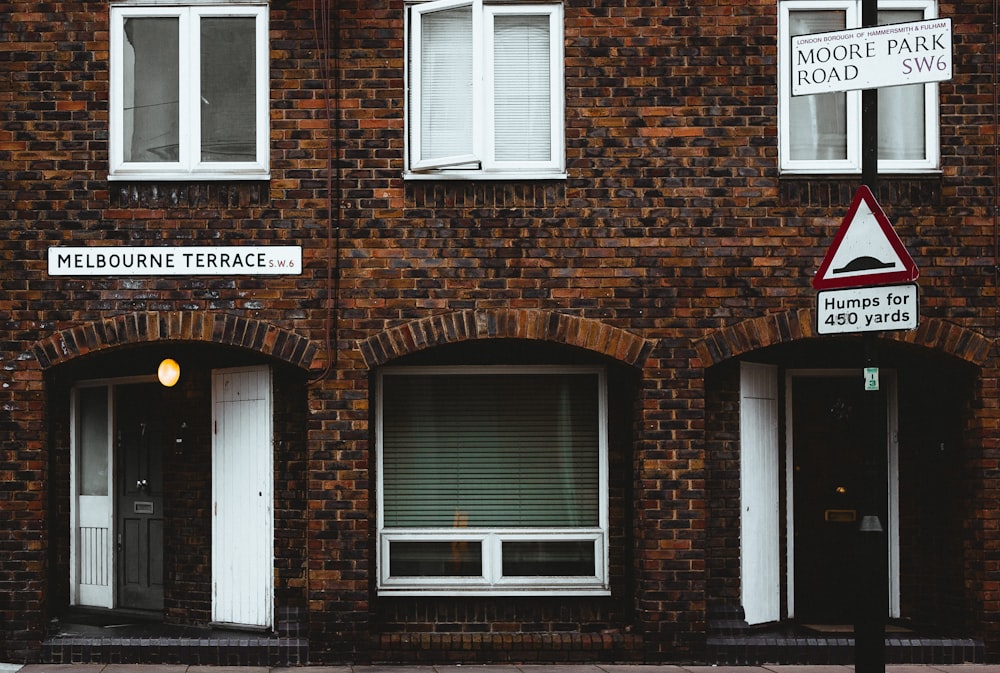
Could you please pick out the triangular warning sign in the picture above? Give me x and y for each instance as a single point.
(866, 250)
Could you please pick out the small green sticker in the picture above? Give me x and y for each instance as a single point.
(871, 378)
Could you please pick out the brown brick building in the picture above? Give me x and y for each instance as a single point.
(496, 331)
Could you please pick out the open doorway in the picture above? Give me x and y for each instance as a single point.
(841, 461)
(125, 472)
(117, 508)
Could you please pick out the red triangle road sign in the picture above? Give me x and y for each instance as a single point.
(865, 251)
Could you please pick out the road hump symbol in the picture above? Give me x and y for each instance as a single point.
(865, 251)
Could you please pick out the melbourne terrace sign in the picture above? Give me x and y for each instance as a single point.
(873, 57)
(125, 260)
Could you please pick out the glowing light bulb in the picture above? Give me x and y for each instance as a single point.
(168, 372)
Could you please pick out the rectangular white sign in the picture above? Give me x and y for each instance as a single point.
(873, 57)
(126, 260)
(867, 309)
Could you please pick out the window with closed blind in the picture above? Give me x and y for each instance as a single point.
(485, 89)
(492, 479)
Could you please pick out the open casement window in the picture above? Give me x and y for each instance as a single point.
(485, 90)
(189, 92)
(492, 480)
(821, 133)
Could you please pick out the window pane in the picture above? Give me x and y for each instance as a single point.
(522, 88)
(436, 559)
(490, 450)
(228, 89)
(151, 90)
(93, 425)
(446, 83)
(526, 559)
(901, 121)
(818, 122)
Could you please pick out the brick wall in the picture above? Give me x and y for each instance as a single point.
(674, 245)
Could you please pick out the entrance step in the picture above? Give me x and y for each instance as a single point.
(731, 641)
(838, 649)
(137, 642)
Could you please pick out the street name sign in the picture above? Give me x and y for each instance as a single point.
(868, 309)
(873, 57)
(175, 260)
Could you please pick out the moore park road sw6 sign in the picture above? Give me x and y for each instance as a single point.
(872, 57)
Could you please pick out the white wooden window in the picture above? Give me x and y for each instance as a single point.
(821, 133)
(189, 91)
(492, 480)
(485, 89)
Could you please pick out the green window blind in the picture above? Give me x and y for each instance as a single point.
(490, 450)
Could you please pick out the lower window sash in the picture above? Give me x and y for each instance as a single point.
(493, 562)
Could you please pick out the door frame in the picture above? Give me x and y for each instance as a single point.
(889, 384)
(109, 598)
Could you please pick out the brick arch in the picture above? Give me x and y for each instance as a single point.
(466, 325)
(776, 328)
(191, 326)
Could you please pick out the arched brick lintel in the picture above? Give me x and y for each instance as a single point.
(191, 326)
(466, 325)
(776, 328)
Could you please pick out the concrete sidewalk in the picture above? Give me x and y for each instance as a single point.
(493, 668)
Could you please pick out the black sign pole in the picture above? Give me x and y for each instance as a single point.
(871, 585)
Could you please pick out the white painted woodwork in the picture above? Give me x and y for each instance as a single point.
(893, 474)
(242, 497)
(760, 555)
(91, 529)
(95, 570)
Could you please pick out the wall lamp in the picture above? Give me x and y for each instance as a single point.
(168, 372)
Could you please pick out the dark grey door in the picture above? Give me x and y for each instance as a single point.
(139, 448)
(837, 427)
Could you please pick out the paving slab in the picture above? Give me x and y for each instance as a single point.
(641, 668)
(726, 668)
(811, 668)
(62, 668)
(390, 668)
(563, 668)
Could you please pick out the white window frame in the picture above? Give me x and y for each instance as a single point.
(481, 162)
(852, 164)
(492, 582)
(189, 165)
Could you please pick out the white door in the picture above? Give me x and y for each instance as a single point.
(760, 555)
(242, 497)
(92, 504)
